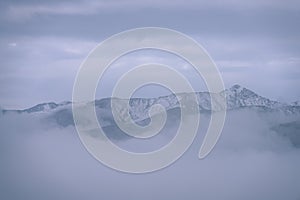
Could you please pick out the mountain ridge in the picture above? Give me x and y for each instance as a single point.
(236, 97)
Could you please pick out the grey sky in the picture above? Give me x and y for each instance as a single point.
(42, 44)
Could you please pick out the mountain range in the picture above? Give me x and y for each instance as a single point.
(282, 118)
(236, 97)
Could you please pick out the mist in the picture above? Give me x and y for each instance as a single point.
(43, 160)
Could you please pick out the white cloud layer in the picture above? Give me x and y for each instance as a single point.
(249, 162)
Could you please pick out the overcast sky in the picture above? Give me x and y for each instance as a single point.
(42, 44)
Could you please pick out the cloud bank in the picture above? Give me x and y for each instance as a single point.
(40, 160)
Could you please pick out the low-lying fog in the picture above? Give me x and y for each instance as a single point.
(254, 159)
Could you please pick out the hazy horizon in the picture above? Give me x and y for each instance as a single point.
(159, 92)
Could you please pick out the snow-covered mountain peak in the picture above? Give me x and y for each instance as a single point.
(236, 88)
(238, 96)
